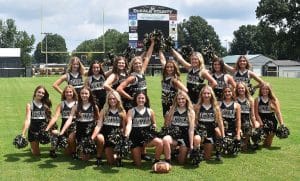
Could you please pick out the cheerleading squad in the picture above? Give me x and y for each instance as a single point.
(109, 112)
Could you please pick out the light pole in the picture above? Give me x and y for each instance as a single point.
(46, 62)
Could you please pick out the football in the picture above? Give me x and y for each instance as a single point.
(161, 167)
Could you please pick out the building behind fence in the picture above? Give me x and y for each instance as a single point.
(10, 63)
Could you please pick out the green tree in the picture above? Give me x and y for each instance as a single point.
(112, 41)
(284, 15)
(245, 41)
(55, 43)
(26, 42)
(10, 37)
(254, 39)
(198, 33)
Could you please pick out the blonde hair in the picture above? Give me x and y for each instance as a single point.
(271, 95)
(134, 59)
(189, 104)
(106, 106)
(213, 101)
(247, 92)
(200, 58)
(74, 60)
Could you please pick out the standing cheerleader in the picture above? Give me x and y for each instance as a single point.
(86, 113)
(242, 73)
(95, 80)
(181, 115)
(222, 79)
(112, 118)
(209, 120)
(140, 119)
(68, 101)
(136, 81)
(248, 120)
(231, 113)
(196, 74)
(170, 83)
(118, 75)
(38, 114)
(267, 112)
(74, 76)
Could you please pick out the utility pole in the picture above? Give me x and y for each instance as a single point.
(46, 62)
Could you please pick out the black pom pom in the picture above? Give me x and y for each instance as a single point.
(282, 132)
(43, 137)
(186, 51)
(86, 146)
(196, 156)
(258, 135)
(20, 142)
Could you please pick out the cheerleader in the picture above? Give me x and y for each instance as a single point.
(86, 113)
(196, 74)
(267, 112)
(170, 83)
(209, 120)
(180, 115)
(231, 113)
(38, 113)
(140, 118)
(74, 76)
(242, 73)
(222, 79)
(118, 75)
(95, 80)
(112, 117)
(136, 81)
(68, 101)
(248, 120)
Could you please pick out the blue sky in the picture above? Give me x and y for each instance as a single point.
(78, 20)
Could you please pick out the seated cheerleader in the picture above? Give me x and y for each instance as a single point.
(180, 115)
(86, 113)
(68, 100)
(112, 121)
(267, 112)
(231, 113)
(248, 121)
(209, 120)
(38, 114)
(140, 119)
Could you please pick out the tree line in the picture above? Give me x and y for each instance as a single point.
(277, 35)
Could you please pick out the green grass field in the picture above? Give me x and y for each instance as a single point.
(280, 162)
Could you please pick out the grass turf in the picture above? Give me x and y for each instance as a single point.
(280, 162)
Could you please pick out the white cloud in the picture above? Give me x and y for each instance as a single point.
(79, 20)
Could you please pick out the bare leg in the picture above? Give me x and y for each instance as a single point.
(35, 149)
(136, 156)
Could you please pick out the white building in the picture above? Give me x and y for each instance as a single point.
(283, 68)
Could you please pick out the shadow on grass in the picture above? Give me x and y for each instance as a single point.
(273, 148)
(80, 164)
(189, 166)
(249, 151)
(14, 157)
(106, 169)
(214, 162)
